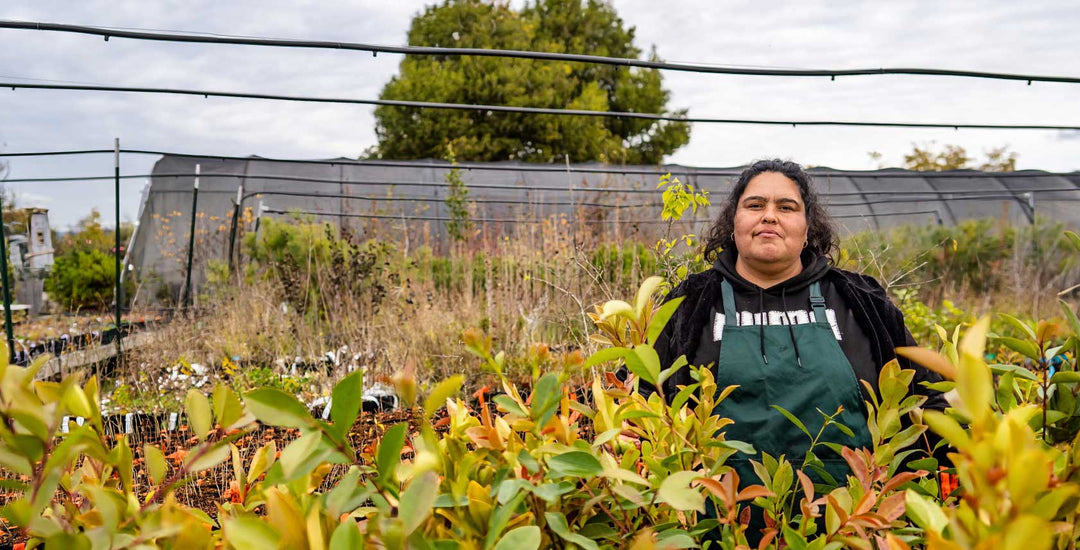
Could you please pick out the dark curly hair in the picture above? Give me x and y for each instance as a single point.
(820, 232)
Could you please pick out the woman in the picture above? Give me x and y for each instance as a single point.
(776, 318)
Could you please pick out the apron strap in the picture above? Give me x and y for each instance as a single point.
(729, 303)
(817, 303)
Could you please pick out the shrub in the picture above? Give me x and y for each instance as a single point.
(594, 465)
(83, 277)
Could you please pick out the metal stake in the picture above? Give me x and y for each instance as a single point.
(118, 294)
(7, 289)
(235, 221)
(191, 240)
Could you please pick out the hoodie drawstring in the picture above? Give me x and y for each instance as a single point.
(791, 331)
(761, 323)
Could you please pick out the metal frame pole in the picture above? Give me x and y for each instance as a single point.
(7, 289)
(118, 294)
(191, 240)
(235, 222)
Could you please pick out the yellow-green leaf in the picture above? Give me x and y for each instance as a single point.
(526, 537)
(417, 500)
(249, 533)
(616, 307)
(645, 294)
(156, 465)
(675, 490)
(438, 396)
(924, 512)
(277, 408)
(929, 359)
(197, 407)
(199, 461)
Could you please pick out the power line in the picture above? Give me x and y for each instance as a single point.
(932, 194)
(406, 217)
(1002, 196)
(443, 199)
(376, 49)
(536, 167)
(886, 214)
(533, 110)
(299, 179)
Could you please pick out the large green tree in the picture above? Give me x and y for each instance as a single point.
(563, 26)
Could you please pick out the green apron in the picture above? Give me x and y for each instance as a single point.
(824, 380)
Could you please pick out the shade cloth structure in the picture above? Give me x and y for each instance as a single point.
(386, 199)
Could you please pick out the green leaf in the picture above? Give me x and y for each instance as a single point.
(32, 423)
(206, 460)
(550, 492)
(947, 428)
(1073, 238)
(607, 354)
(156, 465)
(574, 464)
(228, 409)
(606, 436)
(438, 396)
(924, 512)
(1070, 316)
(1065, 377)
(1019, 325)
(675, 490)
(417, 500)
(501, 516)
(660, 319)
(345, 402)
(545, 398)
(674, 538)
(346, 536)
(509, 406)
(248, 533)
(1017, 371)
(793, 419)
(528, 461)
(197, 407)
(388, 455)
(520, 538)
(301, 456)
(650, 363)
(557, 522)
(1023, 347)
(638, 413)
(277, 408)
(741, 446)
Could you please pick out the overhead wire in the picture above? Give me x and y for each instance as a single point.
(534, 110)
(407, 217)
(376, 49)
(561, 168)
(930, 194)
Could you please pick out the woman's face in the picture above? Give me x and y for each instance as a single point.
(770, 223)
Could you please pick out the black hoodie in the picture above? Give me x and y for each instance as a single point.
(867, 324)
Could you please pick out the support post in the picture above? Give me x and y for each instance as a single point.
(7, 289)
(235, 222)
(191, 240)
(118, 293)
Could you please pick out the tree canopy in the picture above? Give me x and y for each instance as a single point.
(954, 157)
(561, 26)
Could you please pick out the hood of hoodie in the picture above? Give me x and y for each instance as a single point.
(814, 268)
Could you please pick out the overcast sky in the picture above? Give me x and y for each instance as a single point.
(997, 35)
